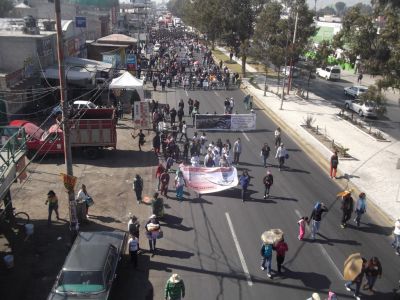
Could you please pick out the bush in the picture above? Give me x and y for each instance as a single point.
(309, 121)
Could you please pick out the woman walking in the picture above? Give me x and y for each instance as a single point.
(361, 208)
(179, 184)
(244, 181)
(281, 248)
(372, 272)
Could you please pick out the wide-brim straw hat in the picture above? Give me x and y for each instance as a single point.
(315, 296)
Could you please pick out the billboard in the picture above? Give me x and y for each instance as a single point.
(239, 122)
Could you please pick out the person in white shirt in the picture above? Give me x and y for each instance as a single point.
(195, 161)
(231, 105)
(217, 157)
(133, 245)
(82, 196)
(203, 140)
(281, 155)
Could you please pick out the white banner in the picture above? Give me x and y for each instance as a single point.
(243, 122)
(209, 180)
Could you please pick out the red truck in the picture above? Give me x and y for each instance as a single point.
(90, 131)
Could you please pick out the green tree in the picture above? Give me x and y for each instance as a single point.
(327, 10)
(5, 7)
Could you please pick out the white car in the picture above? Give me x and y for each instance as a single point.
(82, 104)
(355, 91)
(295, 71)
(364, 109)
(329, 73)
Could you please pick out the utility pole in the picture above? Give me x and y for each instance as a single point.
(291, 59)
(73, 220)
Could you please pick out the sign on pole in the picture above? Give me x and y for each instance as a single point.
(80, 22)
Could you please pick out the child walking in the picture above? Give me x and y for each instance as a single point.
(302, 227)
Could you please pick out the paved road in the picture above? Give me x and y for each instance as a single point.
(332, 92)
(200, 246)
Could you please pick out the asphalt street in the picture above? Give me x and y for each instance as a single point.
(200, 233)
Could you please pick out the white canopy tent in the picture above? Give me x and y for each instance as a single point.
(128, 82)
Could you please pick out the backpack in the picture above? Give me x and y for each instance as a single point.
(138, 184)
(267, 250)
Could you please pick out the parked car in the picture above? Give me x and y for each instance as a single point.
(367, 108)
(90, 267)
(80, 104)
(329, 73)
(355, 91)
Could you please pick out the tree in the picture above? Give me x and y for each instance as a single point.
(5, 7)
(274, 32)
(340, 8)
(238, 18)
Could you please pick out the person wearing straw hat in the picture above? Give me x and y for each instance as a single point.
(174, 288)
(354, 270)
(347, 206)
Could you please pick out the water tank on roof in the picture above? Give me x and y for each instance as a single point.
(30, 22)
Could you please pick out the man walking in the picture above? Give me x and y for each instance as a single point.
(265, 150)
(237, 149)
(138, 188)
(244, 181)
(52, 201)
(268, 182)
(281, 155)
(133, 245)
(347, 208)
(174, 288)
(315, 218)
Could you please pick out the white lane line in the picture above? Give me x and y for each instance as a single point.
(239, 250)
(324, 252)
(245, 135)
(186, 93)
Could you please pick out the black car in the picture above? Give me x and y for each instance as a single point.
(90, 267)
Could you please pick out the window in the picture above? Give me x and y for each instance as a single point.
(80, 281)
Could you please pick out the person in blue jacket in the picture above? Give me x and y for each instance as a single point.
(244, 181)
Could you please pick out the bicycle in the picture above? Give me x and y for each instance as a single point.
(18, 220)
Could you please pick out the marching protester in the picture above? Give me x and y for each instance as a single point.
(281, 248)
(133, 226)
(373, 270)
(164, 179)
(179, 185)
(277, 134)
(138, 188)
(237, 150)
(281, 155)
(347, 205)
(157, 143)
(302, 227)
(153, 229)
(266, 262)
(268, 181)
(357, 281)
(316, 217)
(265, 150)
(141, 138)
(396, 234)
(174, 288)
(160, 169)
(361, 208)
(244, 182)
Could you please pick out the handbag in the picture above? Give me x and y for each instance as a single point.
(160, 234)
(89, 201)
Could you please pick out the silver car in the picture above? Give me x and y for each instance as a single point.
(364, 109)
(355, 91)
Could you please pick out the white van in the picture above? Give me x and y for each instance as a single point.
(329, 73)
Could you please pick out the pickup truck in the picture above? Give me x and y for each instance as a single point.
(329, 73)
(90, 131)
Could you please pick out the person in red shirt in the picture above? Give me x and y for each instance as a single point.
(281, 248)
(159, 171)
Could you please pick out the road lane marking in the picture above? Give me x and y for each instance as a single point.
(324, 252)
(245, 135)
(239, 250)
(186, 93)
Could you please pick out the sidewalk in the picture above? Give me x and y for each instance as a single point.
(375, 168)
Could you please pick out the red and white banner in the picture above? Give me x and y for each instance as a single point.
(209, 180)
